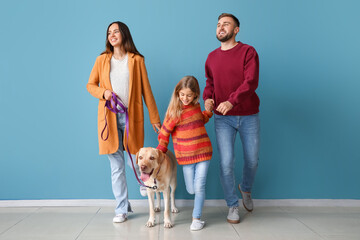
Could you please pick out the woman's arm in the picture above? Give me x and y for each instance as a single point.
(93, 83)
(148, 95)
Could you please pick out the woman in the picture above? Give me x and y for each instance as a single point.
(121, 69)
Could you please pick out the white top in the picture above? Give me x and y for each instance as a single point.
(119, 78)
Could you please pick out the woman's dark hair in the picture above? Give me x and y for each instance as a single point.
(126, 40)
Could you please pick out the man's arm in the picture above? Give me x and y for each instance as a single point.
(251, 78)
(209, 89)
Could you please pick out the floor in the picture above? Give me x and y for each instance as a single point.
(95, 223)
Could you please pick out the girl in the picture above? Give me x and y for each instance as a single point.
(121, 69)
(185, 122)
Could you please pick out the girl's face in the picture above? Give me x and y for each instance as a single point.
(186, 96)
(114, 35)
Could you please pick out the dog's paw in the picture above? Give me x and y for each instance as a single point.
(150, 224)
(168, 224)
(157, 209)
(174, 210)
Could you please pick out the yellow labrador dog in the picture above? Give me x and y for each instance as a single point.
(158, 169)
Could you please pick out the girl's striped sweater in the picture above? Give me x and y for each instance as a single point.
(190, 140)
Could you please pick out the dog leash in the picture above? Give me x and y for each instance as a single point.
(116, 106)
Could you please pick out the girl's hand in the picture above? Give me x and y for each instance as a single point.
(157, 127)
(107, 94)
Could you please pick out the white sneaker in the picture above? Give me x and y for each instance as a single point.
(143, 191)
(197, 225)
(120, 218)
(233, 216)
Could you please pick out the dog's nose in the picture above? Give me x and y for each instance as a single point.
(143, 167)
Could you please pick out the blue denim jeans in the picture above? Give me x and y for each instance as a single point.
(195, 180)
(226, 128)
(118, 177)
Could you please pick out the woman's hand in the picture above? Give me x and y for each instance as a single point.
(107, 94)
(157, 127)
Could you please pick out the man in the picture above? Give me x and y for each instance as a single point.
(232, 73)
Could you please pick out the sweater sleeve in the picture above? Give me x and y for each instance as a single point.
(251, 78)
(209, 88)
(206, 116)
(164, 135)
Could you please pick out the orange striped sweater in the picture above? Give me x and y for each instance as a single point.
(190, 140)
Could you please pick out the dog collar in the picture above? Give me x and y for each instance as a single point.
(155, 187)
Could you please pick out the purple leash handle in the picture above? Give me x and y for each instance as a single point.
(112, 105)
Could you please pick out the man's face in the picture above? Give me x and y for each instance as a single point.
(226, 29)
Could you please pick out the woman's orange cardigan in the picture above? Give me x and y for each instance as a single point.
(139, 87)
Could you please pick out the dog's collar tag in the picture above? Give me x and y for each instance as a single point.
(154, 187)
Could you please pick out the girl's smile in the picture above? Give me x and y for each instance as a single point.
(186, 96)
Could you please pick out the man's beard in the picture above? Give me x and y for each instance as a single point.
(226, 37)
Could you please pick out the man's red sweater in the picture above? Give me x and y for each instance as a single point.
(233, 75)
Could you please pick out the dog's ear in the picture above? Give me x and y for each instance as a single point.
(161, 156)
(137, 155)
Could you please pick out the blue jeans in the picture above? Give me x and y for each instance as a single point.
(226, 128)
(118, 177)
(195, 180)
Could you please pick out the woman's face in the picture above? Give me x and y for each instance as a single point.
(114, 35)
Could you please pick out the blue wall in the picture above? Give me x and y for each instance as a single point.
(309, 82)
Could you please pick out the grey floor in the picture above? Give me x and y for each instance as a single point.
(90, 223)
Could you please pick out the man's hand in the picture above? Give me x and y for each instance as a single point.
(209, 105)
(224, 107)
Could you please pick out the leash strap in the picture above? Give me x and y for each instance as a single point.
(116, 106)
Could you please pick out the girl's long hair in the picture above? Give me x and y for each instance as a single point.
(126, 40)
(175, 106)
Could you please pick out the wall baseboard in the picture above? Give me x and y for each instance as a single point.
(181, 203)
